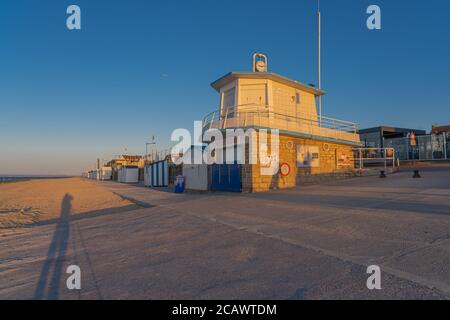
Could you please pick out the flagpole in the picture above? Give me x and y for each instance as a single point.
(319, 27)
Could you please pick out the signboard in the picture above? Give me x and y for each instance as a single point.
(343, 159)
(308, 156)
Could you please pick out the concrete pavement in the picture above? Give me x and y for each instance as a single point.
(312, 242)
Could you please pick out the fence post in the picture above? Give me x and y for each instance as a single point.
(432, 147)
(445, 145)
(408, 147)
(360, 160)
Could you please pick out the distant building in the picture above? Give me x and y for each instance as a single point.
(127, 160)
(375, 137)
(440, 129)
(434, 146)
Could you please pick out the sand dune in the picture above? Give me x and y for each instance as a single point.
(29, 202)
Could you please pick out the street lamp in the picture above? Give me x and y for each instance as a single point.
(146, 147)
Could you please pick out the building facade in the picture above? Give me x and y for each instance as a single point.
(375, 137)
(310, 146)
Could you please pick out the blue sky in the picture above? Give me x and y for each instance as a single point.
(141, 68)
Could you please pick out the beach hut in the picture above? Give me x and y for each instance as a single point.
(195, 174)
(157, 174)
(91, 174)
(128, 174)
(106, 173)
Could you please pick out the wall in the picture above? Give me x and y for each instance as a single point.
(252, 93)
(284, 102)
(279, 97)
(335, 161)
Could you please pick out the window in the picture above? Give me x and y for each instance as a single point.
(228, 98)
(297, 97)
(228, 103)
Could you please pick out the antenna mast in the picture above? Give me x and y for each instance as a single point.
(319, 60)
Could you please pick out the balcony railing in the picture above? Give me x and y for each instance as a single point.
(264, 117)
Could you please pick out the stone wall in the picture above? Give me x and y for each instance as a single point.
(331, 161)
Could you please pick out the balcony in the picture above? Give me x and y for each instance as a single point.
(255, 116)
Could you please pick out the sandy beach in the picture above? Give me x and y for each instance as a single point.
(30, 202)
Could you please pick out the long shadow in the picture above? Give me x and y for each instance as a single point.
(55, 255)
(88, 215)
(346, 201)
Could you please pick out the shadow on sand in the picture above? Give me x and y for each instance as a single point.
(55, 255)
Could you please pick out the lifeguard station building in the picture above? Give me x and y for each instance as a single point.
(310, 146)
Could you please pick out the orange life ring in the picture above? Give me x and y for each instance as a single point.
(285, 169)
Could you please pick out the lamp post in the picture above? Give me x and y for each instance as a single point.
(146, 147)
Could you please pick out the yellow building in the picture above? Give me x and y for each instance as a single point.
(310, 145)
(127, 160)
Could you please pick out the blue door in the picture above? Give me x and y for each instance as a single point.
(226, 177)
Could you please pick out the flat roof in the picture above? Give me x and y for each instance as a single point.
(219, 83)
(440, 129)
(391, 129)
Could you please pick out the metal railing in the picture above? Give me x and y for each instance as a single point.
(370, 157)
(429, 147)
(252, 115)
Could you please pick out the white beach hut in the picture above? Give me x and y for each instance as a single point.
(196, 174)
(106, 173)
(128, 174)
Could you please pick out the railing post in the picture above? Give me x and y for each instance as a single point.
(225, 121)
(385, 159)
(360, 161)
(212, 120)
(445, 145)
(408, 147)
(393, 159)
